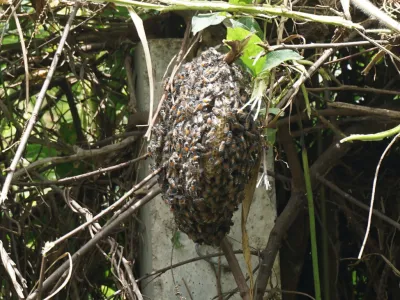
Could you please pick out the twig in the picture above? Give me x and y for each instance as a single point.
(325, 162)
(353, 200)
(269, 10)
(371, 207)
(68, 180)
(235, 268)
(24, 55)
(194, 259)
(35, 112)
(366, 109)
(95, 227)
(50, 245)
(80, 155)
(373, 11)
(41, 276)
(328, 124)
(286, 100)
(12, 271)
(354, 88)
(324, 45)
(106, 230)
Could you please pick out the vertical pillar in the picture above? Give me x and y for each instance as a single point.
(158, 249)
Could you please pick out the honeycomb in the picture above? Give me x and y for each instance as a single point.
(207, 145)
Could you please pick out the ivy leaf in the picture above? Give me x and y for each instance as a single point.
(275, 58)
(250, 51)
(203, 21)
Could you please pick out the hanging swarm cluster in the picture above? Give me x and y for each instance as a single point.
(207, 145)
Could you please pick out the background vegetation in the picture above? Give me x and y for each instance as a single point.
(81, 155)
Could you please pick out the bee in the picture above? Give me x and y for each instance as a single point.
(250, 135)
(181, 76)
(171, 173)
(199, 204)
(211, 133)
(217, 111)
(182, 201)
(192, 188)
(217, 162)
(178, 146)
(187, 129)
(226, 128)
(226, 166)
(231, 206)
(237, 127)
(172, 183)
(199, 107)
(186, 147)
(200, 148)
(222, 146)
(180, 111)
(234, 146)
(199, 118)
(198, 228)
(167, 146)
(229, 138)
(163, 114)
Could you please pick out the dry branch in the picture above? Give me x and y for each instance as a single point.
(103, 233)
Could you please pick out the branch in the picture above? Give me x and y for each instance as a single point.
(353, 200)
(366, 109)
(80, 155)
(35, 112)
(269, 10)
(320, 167)
(286, 218)
(354, 88)
(68, 180)
(105, 231)
(235, 268)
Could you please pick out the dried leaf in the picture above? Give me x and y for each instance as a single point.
(249, 192)
(142, 35)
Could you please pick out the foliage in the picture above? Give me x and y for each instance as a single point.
(89, 117)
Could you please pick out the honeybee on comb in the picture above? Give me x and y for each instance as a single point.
(209, 142)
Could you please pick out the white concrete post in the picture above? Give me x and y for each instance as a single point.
(197, 278)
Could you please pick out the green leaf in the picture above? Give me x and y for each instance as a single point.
(203, 21)
(248, 23)
(35, 151)
(67, 133)
(270, 135)
(274, 111)
(275, 58)
(70, 169)
(250, 51)
(176, 240)
(107, 291)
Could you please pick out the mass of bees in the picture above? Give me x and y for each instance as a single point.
(207, 145)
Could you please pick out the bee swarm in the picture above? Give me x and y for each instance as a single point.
(207, 146)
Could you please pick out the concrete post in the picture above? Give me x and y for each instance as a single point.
(157, 250)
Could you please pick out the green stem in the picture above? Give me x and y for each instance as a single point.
(325, 244)
(313, 234)
(372, 137)
(259, 10)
